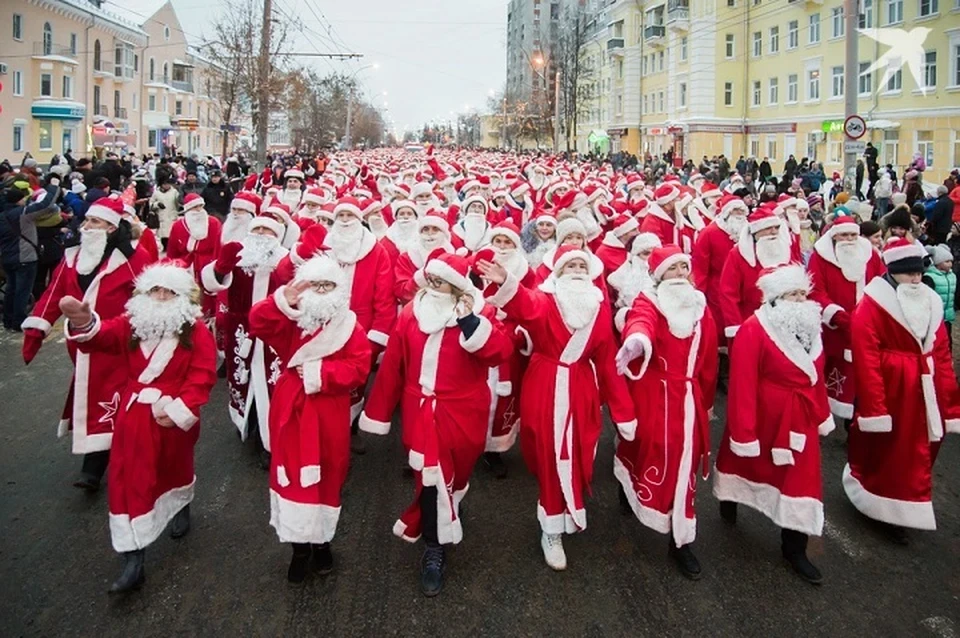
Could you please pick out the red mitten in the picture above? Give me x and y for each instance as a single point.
(228, 259)
(32, 340)
(484, 254)
(312, 241)
(842, 320)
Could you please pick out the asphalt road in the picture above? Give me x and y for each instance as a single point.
(228, 576)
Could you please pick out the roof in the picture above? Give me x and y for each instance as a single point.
(89, 8)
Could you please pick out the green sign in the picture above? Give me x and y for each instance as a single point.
(832, 126)
(58, 111)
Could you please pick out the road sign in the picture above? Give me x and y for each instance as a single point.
(854, 127)
(854, 147)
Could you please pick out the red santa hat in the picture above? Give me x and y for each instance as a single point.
(663, 258)
(370, 206)
(593, 191)
(644, 241)
(783, 203)
(546, 217)
(518, 188)
(192, 201)
(350, 205)
(761, 219)
(779, 281)
(450, 267)
(268, 221)
(623, 224)
(436, 219)
(326, 211)
(729, 203)
(552, 188)
(709, 189)
(403, 203)
(321, 268)
(699, 183)
(904, 256)
(507, 229)
(248, 201)
(315, 195)
(635, 181)
(569, 226)
(666, 193)
(478, 199)
(293, 172)
(108, 209)
(169, 274)
(844, 224)
(420, 188)
(566, 254)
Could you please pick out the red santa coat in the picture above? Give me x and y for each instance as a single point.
(907, 399)
(709, 257)
(196, 253)
(612, 253)
(673, 391)
(310, 417)
(545, 269)
(149, 242)
(739, 295)
(663, 225)
(439, 380)
(253, 368)
(769, 457)
(569, 373)
(98, 377)
(151, 474)
(834, 292)
(370, 279)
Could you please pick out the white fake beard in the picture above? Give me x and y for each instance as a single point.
(474, 230)
(403, 234)
(291, 197)
(585, 215)
(578, 300)
(377, 226)
(197, 223)
(235, 227)
(682, 305)
(152, 319)
(433, 310)
(629, 280)
(344, 239)
(772, 251)
(317, 309)
(424, 207)
(513, 260)
(258, 252)
(312, 214)
(734, 224)
(799, 320)
(538, 181)
(793, 222)
(916, 305)
(535, 256)
(852, 259)
(93, 244)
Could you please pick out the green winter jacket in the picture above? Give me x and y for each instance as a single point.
(945, 285)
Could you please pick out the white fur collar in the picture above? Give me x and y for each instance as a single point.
(611, 240)
(885, 296)
(791, 348)
(115, 260)
(158, 359)
(655, 210)
(330, 339)
(826, 249)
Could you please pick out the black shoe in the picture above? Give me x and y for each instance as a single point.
(133, 574)
(431, 571)
(88, 482)
(299, 564)
(896, 534)
(625, 509)
(322, 558)
(263, 460)
(495, 464)
(728, 512)
(181, 523)
(685, 560)
(222, 370)
(804, 568)
(357, 446)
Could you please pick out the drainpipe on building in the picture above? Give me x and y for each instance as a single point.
(88, 80)
(746, 81)
(643, 41)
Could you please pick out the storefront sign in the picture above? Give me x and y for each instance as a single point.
(616, 132)
(832, 126)
(186, 124)
(656, 131)
(786, 127)
(58, 111)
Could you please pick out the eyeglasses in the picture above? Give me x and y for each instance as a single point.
(434, 282)
(325, 286)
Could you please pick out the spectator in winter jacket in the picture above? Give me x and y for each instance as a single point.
(191, 185)
(163, 203)
(912, 188)
(217, 196)
(940, 218)
(955, 199)
(882, 192)
(99, 188)
(116, 172)
(943, 280)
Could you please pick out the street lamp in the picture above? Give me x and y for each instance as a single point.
(347, 141)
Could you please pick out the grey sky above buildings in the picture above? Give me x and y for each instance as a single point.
(433, 57)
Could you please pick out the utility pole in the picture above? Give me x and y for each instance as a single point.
(503, 123)
(346, 136)
(263, 93)
(556, 114)
(851, 85)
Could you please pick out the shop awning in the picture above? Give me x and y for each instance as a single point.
(110, 140)
(882, 125)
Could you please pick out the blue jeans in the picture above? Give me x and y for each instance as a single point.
(883, 205)
(17, 294)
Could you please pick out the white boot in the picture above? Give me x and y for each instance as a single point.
(552, 545)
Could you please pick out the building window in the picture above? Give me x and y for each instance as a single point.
(660, 102)
(772, 148)
(152, 138)
(756, 92)
(46, 85)
(166, 32)
(754, 146)
(166, 108)
(728, 93)
(96, 99)
(47, 38)
(18, 83)
(682, 95)
(865, 19)
(774, 95)
(793, 34)
(836, 18)
(644, 71)
(96, 55)
(46, 134)
(894, 11)
(929, 7)
(729, 46)
(17, 138)
(813, 84)
(925, 146)
(757, 44)
(166, 73)
(792, 82)
(956, 65)
(864, 79)
(683, 49)
(123, 61)
(135, 104)
(891, 147)
(18, 34)
(956, 149)
(662, 58)
(66, 140)
(835, 152)
(152, 69)
(930, 70)
(67, 87)
(814, 34)
(619, 105)
(774, 39)
(151, 102)
(836, 83)
(645, 109)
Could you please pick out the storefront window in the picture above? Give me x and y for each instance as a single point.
(45, 128)
(891, 147)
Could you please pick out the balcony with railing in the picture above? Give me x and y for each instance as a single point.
(678, 15)
(182, 85)
(615, 46)
(158, 79)
(102, 110)
(120, 112)
(47, 48)
(654, 33)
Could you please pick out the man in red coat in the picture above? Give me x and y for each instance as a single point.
(436, 367)
(765, 244)
(633, 277)
(571, 371)
(666, 219)
(769, 456)
(169, 362)
(195, 240)
(101, 272)
(247, 272)
(907, 396)
(841, 266)
(671, 329)
(433, 232)
(403, 234)
(711, 251)
(614, 248)
(327, 356)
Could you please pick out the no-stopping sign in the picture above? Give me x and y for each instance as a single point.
(854, 127)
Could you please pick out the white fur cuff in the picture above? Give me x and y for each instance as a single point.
(83, 336)
(479, 337)
(503, 388)
(782, 456)
(828, 314)
(798, 441)
(951, 426)
(208, 278)
(37, 323)
(281, 300)
(882, 423)
(827, 426)
(373, 427)
(180, 414)
(311, 376)
(750, 449)
(506, 292)
(628, 430)
(730, 331)
(377, 337)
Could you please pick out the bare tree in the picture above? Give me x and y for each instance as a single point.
(569, 59)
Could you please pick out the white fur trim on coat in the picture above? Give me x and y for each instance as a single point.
(83, 336)
(628, 430)
(952, 426)
(827, 426)
(840, 409)
(828, 314)
(37, 323)
(130, 535)
(208, 278)
(882, 423)
(751, 449)
(730, 331)
(377, 337)
(800, 513)
(914, 514)
(180, 414)
(302, 522)
(479, 337)
(311, 376)
(281, 300)
(373, 427)
(309, 475)
(506, 292)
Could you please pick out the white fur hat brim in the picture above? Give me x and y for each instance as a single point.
(270, 224)
(783, 280)
(645, 241)
(321, 268)
(441, 269)
(569, 226)
(173, 278)
(667, 263)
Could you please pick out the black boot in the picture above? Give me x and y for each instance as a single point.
(685, 560)
(133, 574)
(357, 446)
(263, 459)
(222, 370)
(431, 570)
(728, 512)
(625, 509)
(181, 523)
(92, 471)
(793, 545)
(322, 558)
(495, 464)
(299, 564)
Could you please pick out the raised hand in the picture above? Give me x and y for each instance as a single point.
(292, 292)
(464, 305)
(76, 311)
(630, 350)
(492, 271)
(229, 258)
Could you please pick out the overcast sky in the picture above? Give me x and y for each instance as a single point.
(433, 56)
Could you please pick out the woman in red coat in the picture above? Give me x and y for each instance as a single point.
(171, 367)
(769, 456)
(327, 354)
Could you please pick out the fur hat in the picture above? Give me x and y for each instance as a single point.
(940, 254)
(644, 241)
(665, 257)
(901, 255)
(568, 226)
(776, 282)
(167, 274)
(321, 268)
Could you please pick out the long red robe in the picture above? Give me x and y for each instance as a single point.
(663, 225)
(709, 257)
(196, 254)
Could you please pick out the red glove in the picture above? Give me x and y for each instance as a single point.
(841, 320)
(32, 340)
(228, 259)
